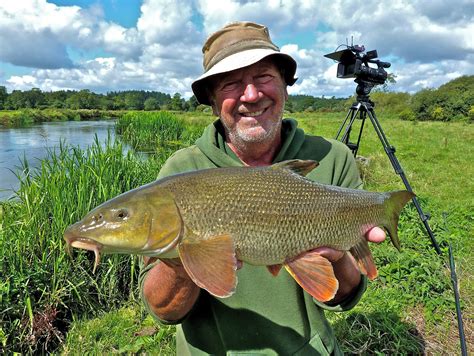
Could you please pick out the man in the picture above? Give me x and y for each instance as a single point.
(245, 82)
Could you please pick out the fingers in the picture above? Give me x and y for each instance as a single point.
(376, 235)
(331, 254)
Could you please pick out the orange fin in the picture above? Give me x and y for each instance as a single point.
(274, 269)
(211, 263)
(364, 259)
(314, 274)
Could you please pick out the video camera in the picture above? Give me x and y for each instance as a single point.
(354, 63)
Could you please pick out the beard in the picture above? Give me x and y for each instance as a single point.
(241, 136)
(254, 134)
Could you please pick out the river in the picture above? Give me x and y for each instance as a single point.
(33, 142)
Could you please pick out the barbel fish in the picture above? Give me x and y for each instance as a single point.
(271, 216)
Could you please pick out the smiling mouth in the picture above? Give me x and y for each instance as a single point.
(252, 113)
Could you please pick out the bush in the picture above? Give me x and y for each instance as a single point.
(407, 115)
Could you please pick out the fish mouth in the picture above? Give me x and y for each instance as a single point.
(85, 244)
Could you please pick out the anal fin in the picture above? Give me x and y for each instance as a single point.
(274, 269)
(314, 273)
(363, 256)
(211, 263)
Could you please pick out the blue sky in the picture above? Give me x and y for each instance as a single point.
(109, 45)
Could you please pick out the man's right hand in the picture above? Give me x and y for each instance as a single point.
(169, 291)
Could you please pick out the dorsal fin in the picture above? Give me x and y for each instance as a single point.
(298, 166)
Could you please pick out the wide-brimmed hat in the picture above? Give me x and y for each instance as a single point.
(238, 45)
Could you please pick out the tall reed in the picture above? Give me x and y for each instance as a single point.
(41, 287)
(159, 132)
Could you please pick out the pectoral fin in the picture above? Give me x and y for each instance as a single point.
(211, 263)
(363, 256)
(314, 274)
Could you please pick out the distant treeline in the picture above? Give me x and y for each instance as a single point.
(451, 101)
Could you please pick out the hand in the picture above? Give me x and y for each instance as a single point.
(345, 268)
(168, 290)
(376, 234)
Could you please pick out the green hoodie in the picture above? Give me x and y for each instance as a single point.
(267, 315)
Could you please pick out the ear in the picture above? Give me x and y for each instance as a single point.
(215, 111)
(286, 92)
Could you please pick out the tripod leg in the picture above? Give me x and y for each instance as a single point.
(352, 113)
(390, 151)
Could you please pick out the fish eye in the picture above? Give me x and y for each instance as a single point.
(122, 214)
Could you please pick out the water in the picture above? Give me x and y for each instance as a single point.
(33, 142)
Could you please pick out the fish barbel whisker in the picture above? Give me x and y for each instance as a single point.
(86, 244)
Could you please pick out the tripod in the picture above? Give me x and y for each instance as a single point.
(362, 109)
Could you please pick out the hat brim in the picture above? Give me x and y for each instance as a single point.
(241, 60)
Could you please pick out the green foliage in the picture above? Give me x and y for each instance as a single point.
(451, 101)
(25, 117)
(408, 309)
(126, 330)
(407, 115)
(42, 285)
(157, 132)
(151, 104)
(391, 102)
(3, 96)
(298, 103)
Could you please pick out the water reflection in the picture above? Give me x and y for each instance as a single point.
(33, 143)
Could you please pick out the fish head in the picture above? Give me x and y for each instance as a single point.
(145, 220)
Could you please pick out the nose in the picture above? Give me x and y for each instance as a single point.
(251, 93)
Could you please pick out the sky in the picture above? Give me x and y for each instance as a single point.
(114, 45)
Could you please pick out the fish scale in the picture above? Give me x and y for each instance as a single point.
(285, 212)
(269, 216)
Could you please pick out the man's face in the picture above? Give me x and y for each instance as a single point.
(250, 102)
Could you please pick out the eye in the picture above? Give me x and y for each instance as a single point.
(264, 78)
(230, 86)
(122, 214)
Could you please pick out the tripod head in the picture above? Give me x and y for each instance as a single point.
(354, 63)
(363, 90)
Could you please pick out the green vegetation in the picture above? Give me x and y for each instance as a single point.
(126, 330)
(158, 132)
(453, 101)
(408, 309)
(42, 287)
(25, 117)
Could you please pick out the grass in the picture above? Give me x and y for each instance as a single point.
(126, 330)
(26, 117)
(43, 287)
(408, 309)
(414, 287)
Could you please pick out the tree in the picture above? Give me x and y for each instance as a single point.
(151, 104)
(192, 103)
(177, 103)
(83, 99)
(3, 96)
(134, 100)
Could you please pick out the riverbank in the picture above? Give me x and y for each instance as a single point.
(408, 309)
(25, 117)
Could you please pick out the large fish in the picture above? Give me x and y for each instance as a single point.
(271, 216)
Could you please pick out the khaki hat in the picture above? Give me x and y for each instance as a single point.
(238, 45)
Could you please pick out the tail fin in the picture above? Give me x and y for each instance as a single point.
(393, 206)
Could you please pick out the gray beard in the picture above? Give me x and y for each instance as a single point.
(242, 136)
